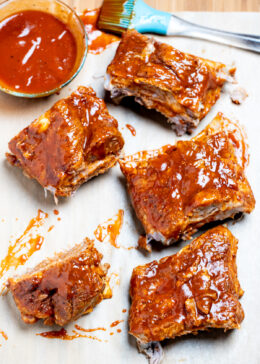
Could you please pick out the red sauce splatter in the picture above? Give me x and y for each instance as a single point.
(50, 228)
(97, 39)
(124, 310)
(89, 330)
(62, 334)
(22, 249)
(56, 212)
(115, 323)
(132, 129)
(111, 333)
(119, 330)
(110, 229)
(59, 219)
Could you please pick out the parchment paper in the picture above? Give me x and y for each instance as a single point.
(102, 197)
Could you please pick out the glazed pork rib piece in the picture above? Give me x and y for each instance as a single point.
(72, 142)
(61, 289)
(179, 188)
(193, 290)
(180, 86)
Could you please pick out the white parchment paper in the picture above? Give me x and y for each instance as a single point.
(102, 197)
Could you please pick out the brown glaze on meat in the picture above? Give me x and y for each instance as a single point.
(72, 142)
(61, 289)
(177, 189)
(192, 290)
(181, 86)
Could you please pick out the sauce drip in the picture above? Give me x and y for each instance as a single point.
(97, 39)
(62, 334)
(38, 52)
(22, 249)
(3, 334)
(50, 228)
(132, 129)
(124, 310)
(115, 323)
(110, 229)
(89, 330)
(119, 330)
(115, 278)
(56, 212)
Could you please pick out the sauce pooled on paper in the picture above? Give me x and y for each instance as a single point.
(97, 39)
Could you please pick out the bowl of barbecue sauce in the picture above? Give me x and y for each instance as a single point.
(43, 46)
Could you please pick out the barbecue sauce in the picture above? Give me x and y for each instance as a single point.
(38, 52)
(97, 39)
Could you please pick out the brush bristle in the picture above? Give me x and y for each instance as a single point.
(115, 15)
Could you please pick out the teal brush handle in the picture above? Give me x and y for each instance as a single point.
(146, 19)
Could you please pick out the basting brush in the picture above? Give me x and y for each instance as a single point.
(119, 15)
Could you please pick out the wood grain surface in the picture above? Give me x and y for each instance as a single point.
(182, 5)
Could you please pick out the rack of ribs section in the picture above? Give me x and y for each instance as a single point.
(72, 142)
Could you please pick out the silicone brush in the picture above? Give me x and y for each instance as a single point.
(119, 15)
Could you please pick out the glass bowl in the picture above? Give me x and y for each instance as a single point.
(64, 13)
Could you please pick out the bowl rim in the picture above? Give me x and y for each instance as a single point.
(58, 88)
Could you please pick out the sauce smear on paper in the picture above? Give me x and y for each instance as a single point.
(62, 334)
(3, 334)
(50, 228)
(97, 39)
(22, 249)
(132, 129)
(110, 229)
(89, 330)
(115, 323)
(38, 52)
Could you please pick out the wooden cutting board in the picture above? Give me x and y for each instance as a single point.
(183, 5)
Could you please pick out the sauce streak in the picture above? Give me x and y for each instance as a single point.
(22, 249)
(38, 52)
(132, 129)
(115, 323)
(50, 228)
(89, 330)
(97, 39)
(110, 229)
(62, 334)
(4, 335)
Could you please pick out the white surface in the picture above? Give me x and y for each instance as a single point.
(101, 198)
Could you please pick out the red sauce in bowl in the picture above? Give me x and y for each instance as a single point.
(38, 52)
